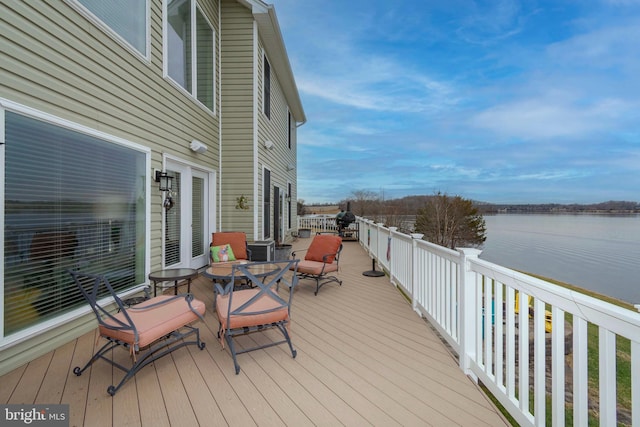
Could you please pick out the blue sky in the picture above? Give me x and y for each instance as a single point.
(499, 101)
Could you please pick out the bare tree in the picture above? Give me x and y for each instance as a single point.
(363, 202)
(451, 222)
(302, 210)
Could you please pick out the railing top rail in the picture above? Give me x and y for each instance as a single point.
(614, 318)
(400, 236)
(440, 250)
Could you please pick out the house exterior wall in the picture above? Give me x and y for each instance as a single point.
(245, 128)
(238, 141)
(276, 129)
(58, 62)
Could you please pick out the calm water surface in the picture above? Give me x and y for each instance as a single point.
(596, 252)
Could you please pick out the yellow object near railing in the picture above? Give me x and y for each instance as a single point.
(547, 313)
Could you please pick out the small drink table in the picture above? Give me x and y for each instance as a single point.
(173, 275)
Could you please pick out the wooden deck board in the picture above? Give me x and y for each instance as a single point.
(54, 382)
(364, 358)
(29, 386)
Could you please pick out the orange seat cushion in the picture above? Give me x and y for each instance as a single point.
(315, 267)
(154, 322)
(237, 240)
(322, 245)
(239, 298)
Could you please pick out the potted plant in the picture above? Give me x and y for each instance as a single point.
(282, 251)
(304, 233)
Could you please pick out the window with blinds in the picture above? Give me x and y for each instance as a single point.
(197, 219)
(289, 204)
(190, 50)
(266, 204)
(127, 18)
(172, 223)
(72, 201)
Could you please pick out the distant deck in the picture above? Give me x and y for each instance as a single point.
(364, 358)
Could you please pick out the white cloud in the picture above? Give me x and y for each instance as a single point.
(491, 22)
(551, 117)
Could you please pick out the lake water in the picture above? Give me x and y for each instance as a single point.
(596, 252)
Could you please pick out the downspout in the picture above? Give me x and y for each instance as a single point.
(219, 96)
(256, 111)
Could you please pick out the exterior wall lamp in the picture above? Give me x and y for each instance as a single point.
(165, 180)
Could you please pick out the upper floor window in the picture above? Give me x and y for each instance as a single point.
(126, 18)
(289, 129)
(267, 88)
(189, 58)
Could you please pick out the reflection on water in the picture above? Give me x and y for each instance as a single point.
(596, 252)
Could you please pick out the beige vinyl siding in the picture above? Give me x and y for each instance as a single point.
(56, 61)
(276, 129)
(59, 62)
(238, 172)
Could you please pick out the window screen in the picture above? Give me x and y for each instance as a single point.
(72, 201)
(190, 60)
(205, 64)
(127, 18)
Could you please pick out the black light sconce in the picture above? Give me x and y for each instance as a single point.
(165, 181)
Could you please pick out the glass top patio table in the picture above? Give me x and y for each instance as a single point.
(223, 271)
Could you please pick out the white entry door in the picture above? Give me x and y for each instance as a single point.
(187, 223)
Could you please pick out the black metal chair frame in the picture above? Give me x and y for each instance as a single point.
(265, 285)
(92, 288)
(322, 276)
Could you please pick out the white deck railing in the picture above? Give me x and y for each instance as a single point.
(318, 222)
(478, 307)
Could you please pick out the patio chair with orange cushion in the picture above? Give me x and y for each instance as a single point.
(321, 260)
(149, 330)
(237, 248)
(245, 311)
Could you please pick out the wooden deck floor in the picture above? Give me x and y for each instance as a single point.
(364, 358)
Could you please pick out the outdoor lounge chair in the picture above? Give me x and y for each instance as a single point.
(149, 330)
(244, 311)
(548, 318)
(321, 260)
(236, 239)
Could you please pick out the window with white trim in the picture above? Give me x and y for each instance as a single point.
(266, 203)
(190, 50)
(289, 129)
(267, 87)
(126, 18)
(72, 200)
(289, 203)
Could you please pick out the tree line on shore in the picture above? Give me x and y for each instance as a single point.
(452, 220)
(611, 206)
(368, 203)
